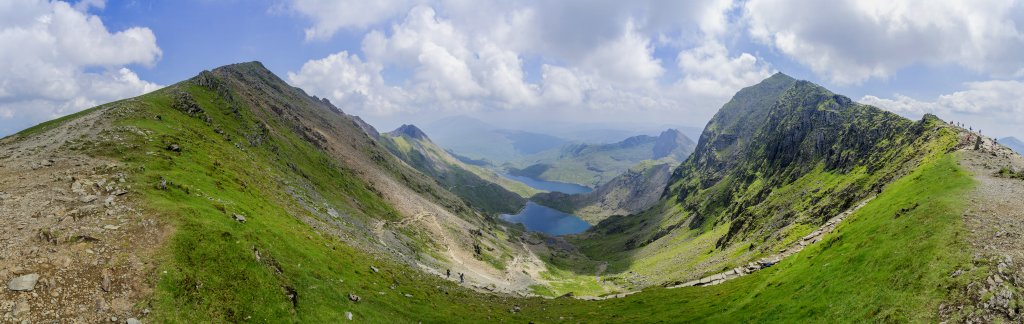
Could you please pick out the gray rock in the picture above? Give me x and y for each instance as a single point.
(23, 283)
(132, 321)
(174, 148)
(88, 199)
(374, 269)
(239, 218)
(348, 315)
(354, 297)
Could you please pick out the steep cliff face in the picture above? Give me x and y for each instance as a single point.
(775, 162)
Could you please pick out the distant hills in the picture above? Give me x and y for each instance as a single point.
(631, 192)
(476, 139)
(595, 164)
(1013, 143)
(480, 187)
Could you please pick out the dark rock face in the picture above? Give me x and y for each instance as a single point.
(726, 136)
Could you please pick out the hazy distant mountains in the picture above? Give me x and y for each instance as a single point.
(476, 139)
(1013, 143)
(595, 164)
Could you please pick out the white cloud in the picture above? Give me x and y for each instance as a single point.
(627, 61)
(49, 52)
(851, 41)
(348, 82)
(709, 69)
(329, 16)
(592, 57)
(992, 105)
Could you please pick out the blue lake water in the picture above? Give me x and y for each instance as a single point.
(569, 188)
(543, 219)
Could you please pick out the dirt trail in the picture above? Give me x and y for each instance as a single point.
(72, 220)
(768, 261)
(994, 218)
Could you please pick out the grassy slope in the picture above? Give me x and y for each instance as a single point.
(481, 188)
(755, 210)
(874, 267)
(209, 270)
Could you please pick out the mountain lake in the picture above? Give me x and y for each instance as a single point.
(547, 220)
(563, 187)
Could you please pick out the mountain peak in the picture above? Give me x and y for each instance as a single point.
(410, 131)
(780, 76)
(672, 141)
(244, 66)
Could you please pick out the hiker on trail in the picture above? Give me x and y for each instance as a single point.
(447, 273)
(462, 278)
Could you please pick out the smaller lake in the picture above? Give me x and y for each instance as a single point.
(543, 219)
(569, 188)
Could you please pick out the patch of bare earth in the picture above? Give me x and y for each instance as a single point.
(994, 218)
(70, 221)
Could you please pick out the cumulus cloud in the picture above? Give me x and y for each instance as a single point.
(850, 41)
(992, 104)
(348, 82)
(329, 16)
(591, 56)
(49, 55)
(709, 69)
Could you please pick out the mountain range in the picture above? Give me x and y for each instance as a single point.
(233, 196)
(592, 165)
(1013, 143)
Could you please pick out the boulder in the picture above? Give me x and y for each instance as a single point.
(239, 218)
(23, 283)
(353, 297)
(88, 198)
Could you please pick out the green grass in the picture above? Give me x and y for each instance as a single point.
(873, 268)
(209, 270)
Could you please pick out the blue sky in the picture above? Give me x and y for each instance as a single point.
(602, 62)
